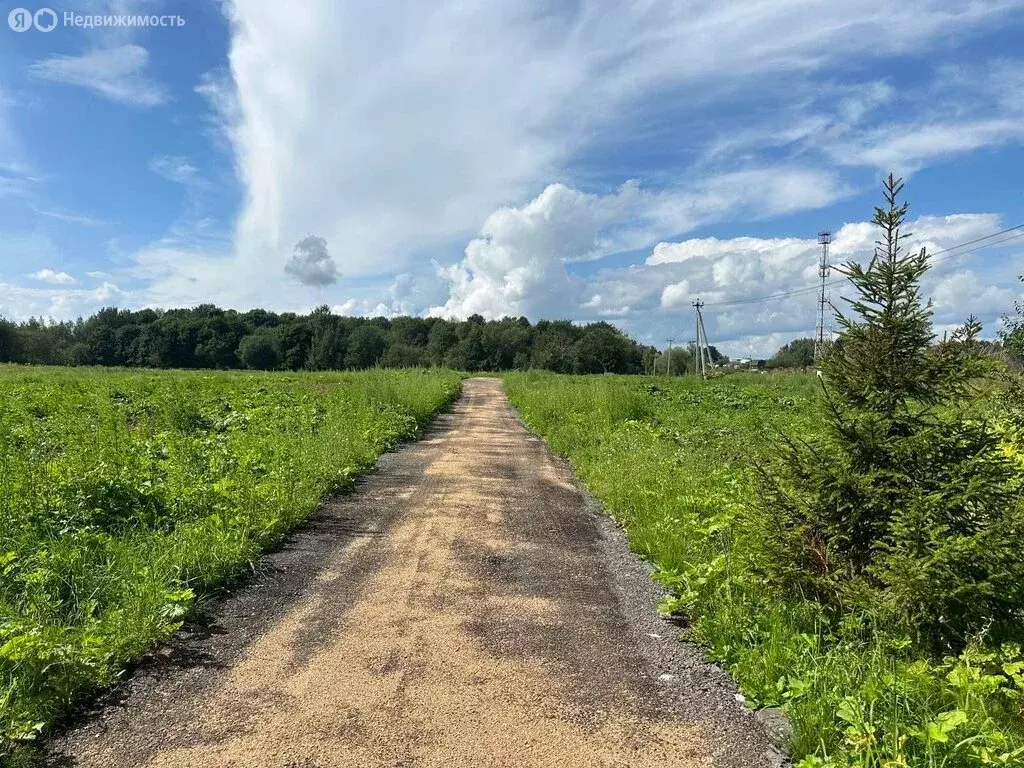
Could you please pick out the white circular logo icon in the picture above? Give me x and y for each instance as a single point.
(20, 19)
(45, 19)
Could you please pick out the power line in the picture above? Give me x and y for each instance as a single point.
(980, 247)
(948, 251)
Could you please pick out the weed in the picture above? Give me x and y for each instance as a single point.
(125, 495)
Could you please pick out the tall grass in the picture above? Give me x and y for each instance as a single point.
(125, 495)
(672, 460)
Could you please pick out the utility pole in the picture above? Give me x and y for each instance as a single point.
(824, 239)
(700, 357)
(668, 367)
(703, 353)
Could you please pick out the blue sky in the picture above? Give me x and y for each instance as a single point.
(588, 160)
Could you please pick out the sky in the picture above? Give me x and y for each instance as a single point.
(589, 159)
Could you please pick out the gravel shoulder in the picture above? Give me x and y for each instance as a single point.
(467, 605)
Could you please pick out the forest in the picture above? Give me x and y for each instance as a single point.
(209, 337)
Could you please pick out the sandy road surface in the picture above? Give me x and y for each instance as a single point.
(465, 607)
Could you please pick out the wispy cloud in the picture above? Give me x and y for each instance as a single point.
(177, 169)
(16, 180)
(397, 156)
(906, 148)
(70, 218)
(114, 73)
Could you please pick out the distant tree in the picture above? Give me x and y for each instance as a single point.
(603, 349)
(468, 353)
(217, 338)
(507, 344)
(798, 353)
(682, 361)
(717, 358)
(178, 330)
(43, 343)
(328, 343)
(260, 351)
(9, 351)
(552, 347)
(150, 348)
(295, 341)
(405, 356)
(97, 338)
(411, 331)
(440, 340)
(649, 356)
(366, 345)
(209, 337)
(126, 340)
(255, 319)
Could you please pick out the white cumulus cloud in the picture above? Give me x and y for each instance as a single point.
(53, 276)
(20, 303)
(517, 265)
(311, 264)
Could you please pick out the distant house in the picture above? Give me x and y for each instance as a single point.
(744, 364)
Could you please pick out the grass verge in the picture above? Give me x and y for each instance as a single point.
(672, 459)
(125, 495)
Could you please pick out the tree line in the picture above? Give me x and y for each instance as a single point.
(209, 337)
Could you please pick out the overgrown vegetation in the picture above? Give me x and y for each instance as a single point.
(672, 459)
(849, 546)
(125, 496)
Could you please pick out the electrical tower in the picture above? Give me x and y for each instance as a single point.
(824, 240)
(703, 353)
(668, 357)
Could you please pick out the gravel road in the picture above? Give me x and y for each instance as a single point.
(468, 605)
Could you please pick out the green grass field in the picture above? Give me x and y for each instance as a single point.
(125, 496)
(673, 460)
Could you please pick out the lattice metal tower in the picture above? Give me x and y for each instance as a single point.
(824, 240)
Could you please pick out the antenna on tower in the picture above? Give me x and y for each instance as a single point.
(824, 240)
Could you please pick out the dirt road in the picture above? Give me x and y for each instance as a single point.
(467, 606)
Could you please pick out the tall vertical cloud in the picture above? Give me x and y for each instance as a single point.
(398, 127)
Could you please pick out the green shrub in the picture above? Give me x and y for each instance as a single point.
(857, 692)
(907, 507)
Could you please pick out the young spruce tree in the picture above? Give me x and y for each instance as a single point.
(907, 509)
